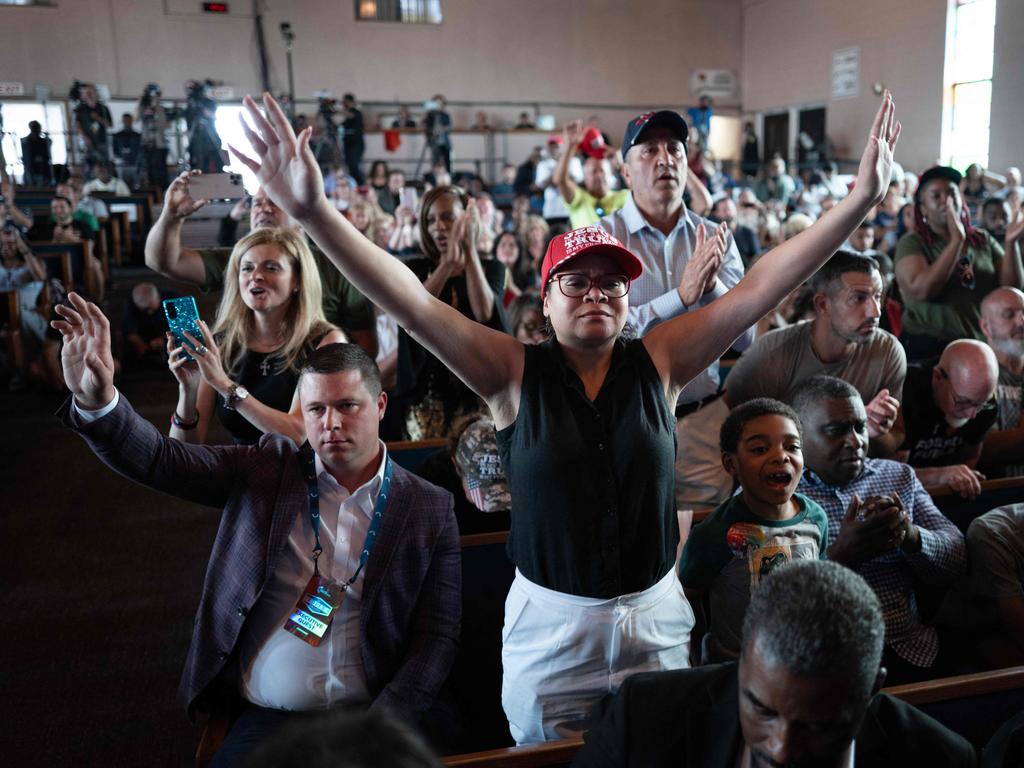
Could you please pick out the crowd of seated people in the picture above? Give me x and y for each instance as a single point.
(874, 332)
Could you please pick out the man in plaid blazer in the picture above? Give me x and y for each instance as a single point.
(405, 602)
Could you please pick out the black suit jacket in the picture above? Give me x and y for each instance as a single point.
(690, 717)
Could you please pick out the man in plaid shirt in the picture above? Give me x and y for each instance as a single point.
(881, 523)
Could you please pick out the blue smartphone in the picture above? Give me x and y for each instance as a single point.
(183, 315)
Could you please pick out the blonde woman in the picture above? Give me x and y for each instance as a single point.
(269, 318)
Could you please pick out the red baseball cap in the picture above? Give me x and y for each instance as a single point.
(592, 144)
(564, 248)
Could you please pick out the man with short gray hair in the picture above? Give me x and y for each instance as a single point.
(804, 692)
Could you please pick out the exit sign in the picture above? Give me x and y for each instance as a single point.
(215, 7)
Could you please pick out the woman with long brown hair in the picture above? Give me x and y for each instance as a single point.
(450, 269)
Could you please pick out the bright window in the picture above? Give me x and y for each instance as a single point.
(405, 11)
(968, 102)
(16, 117)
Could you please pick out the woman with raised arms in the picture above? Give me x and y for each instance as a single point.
(585, 422)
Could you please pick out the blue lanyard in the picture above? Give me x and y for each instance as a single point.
(308, 459)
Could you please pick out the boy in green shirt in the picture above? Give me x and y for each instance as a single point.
(755, 531)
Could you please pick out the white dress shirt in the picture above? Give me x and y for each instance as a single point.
(280, 671)
(654, 296)
(554, 205)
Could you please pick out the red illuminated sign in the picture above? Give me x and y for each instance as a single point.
(215, 7)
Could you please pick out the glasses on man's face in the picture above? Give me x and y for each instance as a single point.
(961, 403)
(574, 285)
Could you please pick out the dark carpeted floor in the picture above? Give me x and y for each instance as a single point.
(100, 582)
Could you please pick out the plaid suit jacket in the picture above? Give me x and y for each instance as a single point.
(411, 605)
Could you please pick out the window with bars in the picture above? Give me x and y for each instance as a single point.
(405, 11)
(968, 103)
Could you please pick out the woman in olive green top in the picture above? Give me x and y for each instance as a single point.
(945, 267)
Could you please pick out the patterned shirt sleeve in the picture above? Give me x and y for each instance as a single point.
(943, 555)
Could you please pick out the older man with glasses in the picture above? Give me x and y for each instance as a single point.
(947, 409)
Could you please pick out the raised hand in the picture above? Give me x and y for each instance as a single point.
(876, 162)
(184, 370)
(85, 357)
(572, 133)
(882, 412)
(284, 164)
(1015, 228)
(954, 224)
(178, 202)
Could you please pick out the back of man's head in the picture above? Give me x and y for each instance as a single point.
(345, 739)
(818, 619)
(817, 389)
(342, 357)
(828, 278)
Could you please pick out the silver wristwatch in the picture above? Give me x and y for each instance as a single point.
(237, 394)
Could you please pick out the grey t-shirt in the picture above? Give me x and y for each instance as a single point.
(995, 548)
(781, 359)
(1008, 401)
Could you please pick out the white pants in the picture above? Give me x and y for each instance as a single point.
(561, 653)
(701, 481)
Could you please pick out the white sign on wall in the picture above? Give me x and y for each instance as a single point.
(845, 73)
(222, 92)
(12, 89)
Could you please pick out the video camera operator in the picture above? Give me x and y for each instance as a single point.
(324, 142)
(35, 153)
(204, 143)
(92, 119)
(152, 116)
(353, 141)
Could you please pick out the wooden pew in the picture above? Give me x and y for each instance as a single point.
(964, 701)
(58, 265)
(15, 348)
(78, 254)
(409, 454)
(994, 493)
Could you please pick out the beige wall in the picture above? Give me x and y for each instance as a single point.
(584, 51)
(1006, 146)
(787, 61)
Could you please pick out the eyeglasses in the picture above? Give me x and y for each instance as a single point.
(961, 403)
(574, 285)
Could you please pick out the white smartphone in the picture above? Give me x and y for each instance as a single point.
(217, 186)
(408, 197)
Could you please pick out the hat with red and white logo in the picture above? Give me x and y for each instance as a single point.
(564, 248)
(665, 118)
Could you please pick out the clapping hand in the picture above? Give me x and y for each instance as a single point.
(284, 164)
(876, 162)
(954, 224)
(701, 271)
(868, 529)
(85, 357)
(1015, 229)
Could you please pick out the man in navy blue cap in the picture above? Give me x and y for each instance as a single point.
(656, 225)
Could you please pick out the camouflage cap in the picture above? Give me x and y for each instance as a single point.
(479, 466)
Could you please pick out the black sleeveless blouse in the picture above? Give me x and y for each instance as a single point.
(592, 483)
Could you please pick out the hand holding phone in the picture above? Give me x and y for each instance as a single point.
(183, 315)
